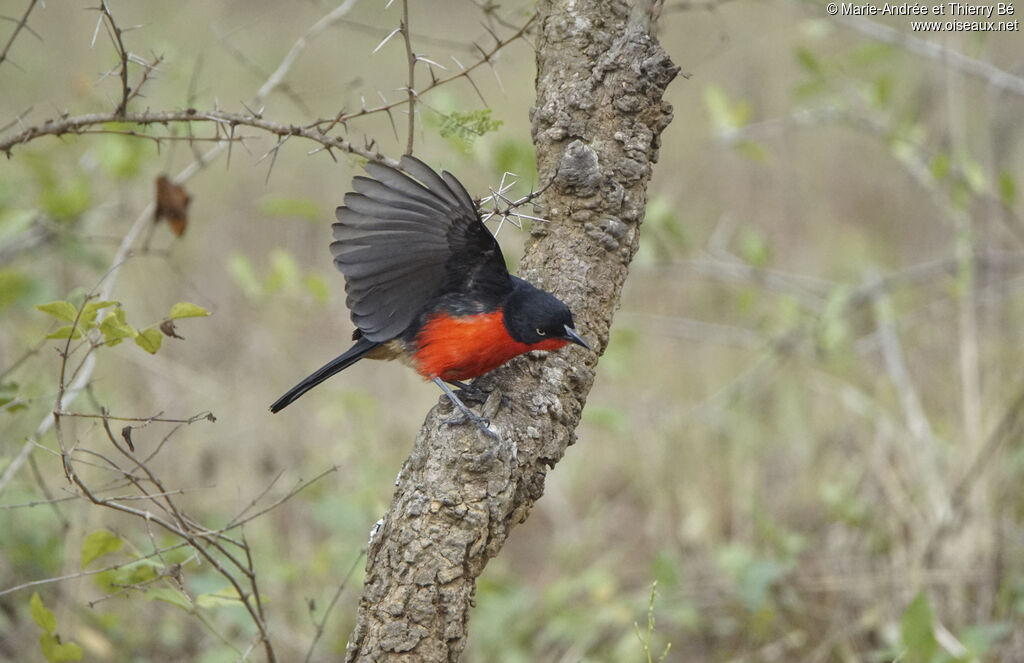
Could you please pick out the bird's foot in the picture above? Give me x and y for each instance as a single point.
(465, 414)
(461, 417)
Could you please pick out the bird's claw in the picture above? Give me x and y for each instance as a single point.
(483, 423)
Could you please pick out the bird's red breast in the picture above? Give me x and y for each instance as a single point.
(463, 347)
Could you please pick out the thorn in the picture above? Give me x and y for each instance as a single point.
(420, 58)
(386, 39)
(478, 93)
(92, 44)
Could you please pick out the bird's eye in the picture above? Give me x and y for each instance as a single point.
(541, 332)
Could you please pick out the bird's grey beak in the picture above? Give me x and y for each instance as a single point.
(573, 337)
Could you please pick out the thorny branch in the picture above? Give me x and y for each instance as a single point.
(485, 57)
(317, 131)
(411, 87)
(21, 25)
(115, 36)
(224, 121)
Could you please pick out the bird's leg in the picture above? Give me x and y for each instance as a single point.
(481, 422)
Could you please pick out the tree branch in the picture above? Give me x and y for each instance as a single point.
(597, 122)
(82, 123)
(411, 85)
(22, 25)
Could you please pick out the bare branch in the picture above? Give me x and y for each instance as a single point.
(330, 606)
(81, 124)
(411, 86)
(343, 117)
(986, 71)
(207, 415)
(22, 25)
(122, 54)
(276, 79)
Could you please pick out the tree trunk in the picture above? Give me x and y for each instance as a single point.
(600, 80)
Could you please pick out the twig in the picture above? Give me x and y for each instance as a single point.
(691, 5)
(276, 79)
(411, 85)
(511, 211)
(916, 419)
(342, 117)
(122, 54)
(330, 606)
(83, 574)
(207, 415)
(22, 25)
(986, 71)
(81, 123)
(1009, 428)
(238, 520)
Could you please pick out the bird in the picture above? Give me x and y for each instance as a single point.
(426, 284)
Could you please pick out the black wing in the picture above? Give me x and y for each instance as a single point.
(402, 242)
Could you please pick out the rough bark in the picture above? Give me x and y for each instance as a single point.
(600, 80)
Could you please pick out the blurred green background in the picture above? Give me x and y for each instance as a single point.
(805, 428)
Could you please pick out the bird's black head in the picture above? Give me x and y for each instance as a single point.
(533, 316)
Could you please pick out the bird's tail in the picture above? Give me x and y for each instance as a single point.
(336, 365)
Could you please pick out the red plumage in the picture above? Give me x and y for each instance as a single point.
(461, 348)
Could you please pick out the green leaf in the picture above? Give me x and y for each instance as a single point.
(14, 286)
(292, 207)
(168, 595)
(149, 339)
(284, 271)
(137, 572)
(718, 107)
(90, 310)
(66, 199)
(244, 275)
(120, 155)
(917, 629)
(56, 652)
(187, 310)
(115, 327)
(517, 156)
(725, 115)
(65, 332)
(227, 596)
(809, 62)
(463, 128)
(835, 330)
(61, 310)
(98, 544)
(41, 615)
(317, 287)
(1007, 188)
(752, 150)
(753, 247)
(882, 90)
(940, 166)
(974, 175)
(8, 394)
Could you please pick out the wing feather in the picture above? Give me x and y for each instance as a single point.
(404, 239)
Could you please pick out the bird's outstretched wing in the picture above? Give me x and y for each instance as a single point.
(402, 242)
